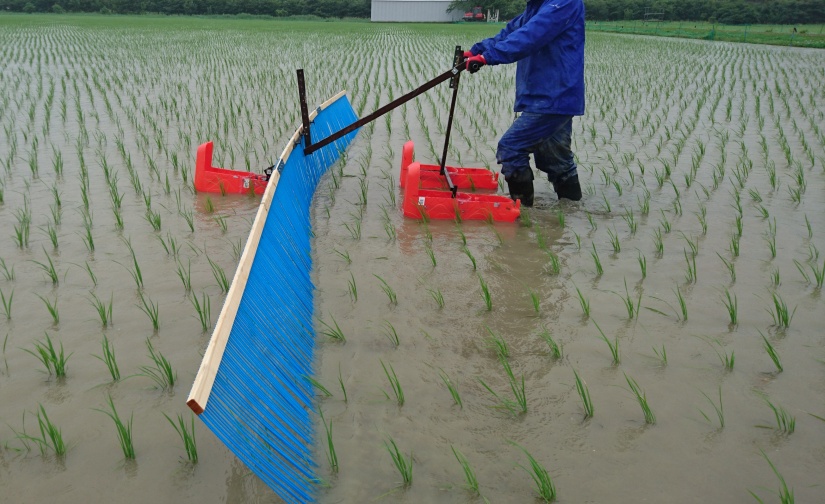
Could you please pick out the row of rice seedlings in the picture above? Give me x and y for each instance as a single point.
(54, 361)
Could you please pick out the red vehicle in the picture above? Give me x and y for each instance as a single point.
(474, 15)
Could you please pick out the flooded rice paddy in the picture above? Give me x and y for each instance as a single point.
(694, 256)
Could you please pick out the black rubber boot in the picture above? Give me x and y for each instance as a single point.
(569, 189)
(520, 186)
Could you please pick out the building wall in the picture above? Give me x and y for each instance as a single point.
(432, 11)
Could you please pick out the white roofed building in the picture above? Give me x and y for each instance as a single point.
(407, 11)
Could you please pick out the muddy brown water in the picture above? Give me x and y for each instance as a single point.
(652, 103)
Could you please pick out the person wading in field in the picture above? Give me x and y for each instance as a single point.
(547, 41)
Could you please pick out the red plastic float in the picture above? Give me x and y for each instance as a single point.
(211, 179)
(463, 178)
(434, 204)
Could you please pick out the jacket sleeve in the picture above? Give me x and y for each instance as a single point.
(481, 47)
(552, 18)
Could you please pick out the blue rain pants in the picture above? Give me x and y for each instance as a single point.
(547, 138)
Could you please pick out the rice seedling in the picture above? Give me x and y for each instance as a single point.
(560, 215)
(732, 306)
(354, 229)
(731, 267)
(631, 306)
(51, 437)
(8, 274)
(55, 362)
(469, 474)
(49, 268)
(109, 359)
(584, 394)
(203, 310)
(658, 242)
(598, 263)
(720, 411)
(52, 308)
(403, 463)
(437, 296)
(470, 256)
(771, 241)
(630, 220)
(556, 349)
(51, 234)
(6, 303)
(150, 309)
(341, 383)
(318, 386)
(536, 301)
(189, 217)
(785, 494)
(485, 293)
(335, 333)
(642, 265)
(662, 355)
(780, 314)
(496, 343)
(344, 255)
(391, 333)
(583, 302)
(352, 288)
(517, 405)
(544, 484)
(452, 388)
(391, 296)
(592, 221)
(209, 205)
(612, 345)
(187, 435)
(809, 227)
(772, 353)
(160, 371)
(727, 360)
(650, 418)
(124, 430)
(690, 274)
(785, 422)
(185, 275)
(394, 384)
(614, 241)
(219, 274)
(734, 245)
(429, 250)
(553, 266)
(664, 223)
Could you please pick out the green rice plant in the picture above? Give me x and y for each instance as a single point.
(485, 293)
(727, 360)
(650, 418)
(658, 242)
(160, 371)
(332, 455)
(54, 361)
(469, 474)
(560, 215)
(642, 265)
(584, 394)
(137, 274)
(785, 494)
(556, 349)
(49, 268)
(595, 255)
(209, 205)
(334, 333)
(702, 215)
(403, 463)
(341, 383)
(91, 273)
(387, 290)
(219, 274)
(124, 430)
(536, 300)
(203, 310)
(394, 384)
(6, 303)
(553, 266)
(682, 304)
(809, 227)
(354, 229)
(525, 219)
(220, 219)
(344, 255)
(772, 353)
(150, 309)
(731, 267)
(428, 248)
(665, 224)
(352, 288)
(629, 304)
(517, 405)
(109, 359)
(189, 217)
(720, 410)
(496, 343)
(185, 275)
(391, 333)
(691, 273)
(470, 256)
(51, 233)
(584, 302)
(51, 437)
(661, 355)
(437, 296)
(732, 306)
(452, 388)
(734, 245)
(785, 422)
(318, 386)
(8, 274)
(153, 218)
(544, 484)
(613, 346)
(780, 314)
(614, 241)
(52, 307)
(630, 220)
(819, 274)
(187, 435)
(591, 220)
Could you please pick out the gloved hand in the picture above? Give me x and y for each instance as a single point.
(468, 54)
(474, 63)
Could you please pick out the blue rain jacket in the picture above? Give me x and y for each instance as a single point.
(547, 41)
